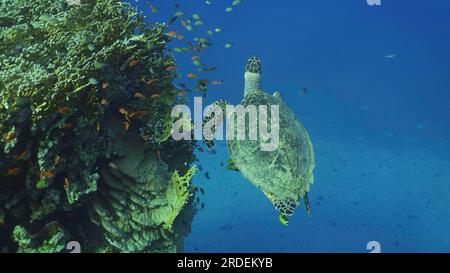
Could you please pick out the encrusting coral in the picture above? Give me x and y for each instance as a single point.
(86, 94)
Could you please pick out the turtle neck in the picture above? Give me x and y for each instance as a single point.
(252, 82)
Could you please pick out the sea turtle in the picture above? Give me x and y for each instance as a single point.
(285, 174)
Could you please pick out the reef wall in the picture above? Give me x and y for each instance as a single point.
(86, 94)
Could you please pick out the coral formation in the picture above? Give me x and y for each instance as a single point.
(82, 155)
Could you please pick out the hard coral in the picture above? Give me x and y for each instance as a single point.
(68, 79)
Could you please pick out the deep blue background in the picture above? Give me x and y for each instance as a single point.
(379, 125)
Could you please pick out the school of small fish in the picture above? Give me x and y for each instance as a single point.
(190, 34)
(193, 23)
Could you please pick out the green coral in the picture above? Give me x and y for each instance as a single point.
(139, 199)
(68, 79)
(179, 191)
(48, 240)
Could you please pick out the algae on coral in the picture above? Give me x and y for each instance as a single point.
(65, 72)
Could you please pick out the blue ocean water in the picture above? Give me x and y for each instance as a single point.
(377, 110)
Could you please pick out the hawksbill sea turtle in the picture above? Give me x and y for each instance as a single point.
(285, 174)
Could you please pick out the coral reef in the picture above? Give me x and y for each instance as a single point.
(86, 94)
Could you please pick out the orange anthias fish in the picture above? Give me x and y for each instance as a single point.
(150, 82)
(68, 126)
(133, 63)
(22, 156)
(66, 182)
(64, 110)
(180, 37)
(172, 34)
(139, 95)
(47, 174)
(138, 114)
(170, 68)
(13, 171)
(195, 58)
(10, 136)
(57, 160)
(123, 112)
(126, 125)
(154, 96)
(191, 76)
(182, 94)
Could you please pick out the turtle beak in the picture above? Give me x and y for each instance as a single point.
(253, 65)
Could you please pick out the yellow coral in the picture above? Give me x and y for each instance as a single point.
(178, 193)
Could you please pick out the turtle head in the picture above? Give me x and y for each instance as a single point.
(252, 76)
(253, 65)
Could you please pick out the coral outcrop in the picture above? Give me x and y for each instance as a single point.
(86, 94)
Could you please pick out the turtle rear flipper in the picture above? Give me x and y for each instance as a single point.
(209, 115)
(232, 166)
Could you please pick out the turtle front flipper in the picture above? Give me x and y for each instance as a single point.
(220, 104)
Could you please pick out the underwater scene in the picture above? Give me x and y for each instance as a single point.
(225, 126)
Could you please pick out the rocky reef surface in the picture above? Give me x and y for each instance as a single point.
(86, 94)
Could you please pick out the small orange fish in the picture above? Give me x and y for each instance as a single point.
(138, 114)
(172, 34)
(123, 112)
(183, 23)
(150, 82)
(139, 95)
(134, 63)
(195, 58)
(103, 102)
(57, 160)
(47, 174)
(182, 94)
(64, 110)
(66, 182)
(13, 171)
(10, 136)
(126, 125)
(23, 155)
(105, 85)
(170, 68)
(180, 37)
(191, 76)
(68, 126)
(154, 96)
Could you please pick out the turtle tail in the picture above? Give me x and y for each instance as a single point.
(307, 205)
